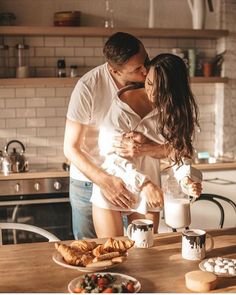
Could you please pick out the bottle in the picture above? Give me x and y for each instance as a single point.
(176, 204)
(61, 68)
(109, 18)
(151, 14)
(74, 71)
(192, 62)
(4, 57)
(22, 69)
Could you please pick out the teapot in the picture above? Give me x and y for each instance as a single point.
(14, 161)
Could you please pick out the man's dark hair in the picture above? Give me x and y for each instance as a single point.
(120, 47)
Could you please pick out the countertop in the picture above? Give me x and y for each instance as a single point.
(34, 174)
(216, 166)
(54, 172)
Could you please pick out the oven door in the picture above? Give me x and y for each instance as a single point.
(49, 211)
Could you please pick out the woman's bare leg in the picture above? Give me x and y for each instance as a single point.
(154, 216)
(107, 223)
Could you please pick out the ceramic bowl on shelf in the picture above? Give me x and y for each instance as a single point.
(67, 18)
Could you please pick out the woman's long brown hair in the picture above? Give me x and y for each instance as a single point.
(178, 111)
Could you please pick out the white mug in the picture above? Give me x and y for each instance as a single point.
(141, 231)
(194, 244)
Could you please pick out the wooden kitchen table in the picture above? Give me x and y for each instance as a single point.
(30, 268)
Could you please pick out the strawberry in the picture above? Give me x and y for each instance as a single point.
(108, 290)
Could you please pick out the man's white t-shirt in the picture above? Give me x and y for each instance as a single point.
(89, 103)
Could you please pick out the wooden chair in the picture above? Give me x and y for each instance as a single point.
(26, 227)
(216, 200)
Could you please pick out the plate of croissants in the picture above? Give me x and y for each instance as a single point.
(88, 256)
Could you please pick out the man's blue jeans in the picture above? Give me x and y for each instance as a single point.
(82, 220)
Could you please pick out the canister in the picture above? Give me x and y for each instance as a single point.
(22, 53)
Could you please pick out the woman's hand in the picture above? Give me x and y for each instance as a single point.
(129, 144)
(190, 187)
(135, 144)
(154, 195)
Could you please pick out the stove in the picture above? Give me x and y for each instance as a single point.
(37, 186)
(39, 180)
(39, 197)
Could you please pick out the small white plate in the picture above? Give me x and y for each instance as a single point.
(202, 267)
(59, 260)
(119, 279)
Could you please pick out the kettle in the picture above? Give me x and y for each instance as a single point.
(14, 161)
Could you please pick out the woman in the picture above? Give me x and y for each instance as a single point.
(165, 112)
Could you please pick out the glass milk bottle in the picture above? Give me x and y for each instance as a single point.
(176, 205)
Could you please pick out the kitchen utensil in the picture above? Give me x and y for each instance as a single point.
(14, 161)
(198, 11)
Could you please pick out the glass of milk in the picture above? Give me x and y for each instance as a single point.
(177, 211)
(176, 205)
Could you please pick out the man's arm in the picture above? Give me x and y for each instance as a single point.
(135, 144)
(112, 187)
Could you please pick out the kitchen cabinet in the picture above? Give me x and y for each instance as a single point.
(220, 182)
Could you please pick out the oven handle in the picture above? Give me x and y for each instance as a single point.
(31, 202)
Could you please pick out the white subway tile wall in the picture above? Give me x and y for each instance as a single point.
(225, 106)
(36, 115)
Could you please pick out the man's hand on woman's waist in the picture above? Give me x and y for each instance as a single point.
(114, 190)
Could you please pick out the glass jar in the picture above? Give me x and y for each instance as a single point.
(4, 61)
(61, 68)
(22, 68)
(74, 71)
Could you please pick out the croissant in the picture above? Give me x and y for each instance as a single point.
(99, 250)
(86, 259)
(83, 246)
(70, 255)
(117, 245)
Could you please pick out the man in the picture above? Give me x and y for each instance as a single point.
(90, 100)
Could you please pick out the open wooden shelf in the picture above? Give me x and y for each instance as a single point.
(54, 81)
(105, 32)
